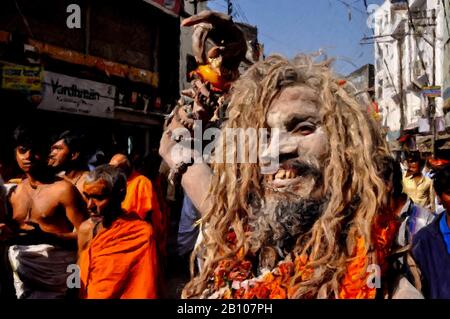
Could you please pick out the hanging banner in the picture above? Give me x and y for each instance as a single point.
(68, 94)
(171, 7)
(22, 78)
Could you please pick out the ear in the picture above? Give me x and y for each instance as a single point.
(75, 156)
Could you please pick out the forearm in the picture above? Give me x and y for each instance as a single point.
(195, 182)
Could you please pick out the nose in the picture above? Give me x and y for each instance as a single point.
(91, 205)
(281, 145)
(28, 155)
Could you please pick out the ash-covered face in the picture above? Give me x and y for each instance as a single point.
(293, 195)
(303, 143)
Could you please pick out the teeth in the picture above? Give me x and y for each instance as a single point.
(280, 174)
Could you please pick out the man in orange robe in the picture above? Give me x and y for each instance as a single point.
(117, 251)
(141, 199)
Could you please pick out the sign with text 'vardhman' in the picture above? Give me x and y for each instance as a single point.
(68, 94)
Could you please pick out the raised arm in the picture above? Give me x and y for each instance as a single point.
(196, 179)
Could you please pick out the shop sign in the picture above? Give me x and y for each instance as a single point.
(431, 91)
(171, 7)
(23, 78)
(68, 94)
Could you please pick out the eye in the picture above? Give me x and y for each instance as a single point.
(304, 128)
(22, 149)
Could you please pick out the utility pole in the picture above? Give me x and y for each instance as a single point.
(400, 82)
(229, 8)
(432, 100)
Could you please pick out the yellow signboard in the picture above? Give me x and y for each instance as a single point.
(24, 78)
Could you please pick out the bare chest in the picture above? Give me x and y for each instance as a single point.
(37, 204)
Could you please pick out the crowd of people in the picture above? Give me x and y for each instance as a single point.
(58, 213)
(339, 217)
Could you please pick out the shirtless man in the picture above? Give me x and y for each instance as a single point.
(66, 158)
(46, 214)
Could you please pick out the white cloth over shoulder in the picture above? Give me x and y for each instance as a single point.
(405, 290)
(40, 271)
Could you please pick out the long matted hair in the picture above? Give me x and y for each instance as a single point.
(351, 179)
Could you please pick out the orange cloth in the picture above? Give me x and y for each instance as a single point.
(141, 198)
(120, 262)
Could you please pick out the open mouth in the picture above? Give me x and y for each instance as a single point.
(26, 164)
(283, 177)
(292, 172)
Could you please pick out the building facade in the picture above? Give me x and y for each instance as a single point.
(109, 68)
(409, 41)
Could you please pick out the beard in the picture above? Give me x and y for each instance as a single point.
(278, 221)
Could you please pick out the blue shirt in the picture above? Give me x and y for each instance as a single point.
(187, 230)
(445, 230)
(431, 254)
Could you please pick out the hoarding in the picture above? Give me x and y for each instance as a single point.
(68, 94)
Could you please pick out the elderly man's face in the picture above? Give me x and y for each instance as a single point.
(303, 143)
(98, 197)
(293, 194)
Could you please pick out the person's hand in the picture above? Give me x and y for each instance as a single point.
(204, 104)
(229, 41)
(36, 232)
(5, 232)
(173, 136)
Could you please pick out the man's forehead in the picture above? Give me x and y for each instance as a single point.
(59, 143)
(296, 100)
(99, 186)
(30, 147)
(298, 92)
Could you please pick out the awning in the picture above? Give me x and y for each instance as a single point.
(109, 67)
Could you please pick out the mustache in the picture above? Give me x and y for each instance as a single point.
(303, 168)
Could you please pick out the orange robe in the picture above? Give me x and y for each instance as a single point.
(140, 199)
(120, 262)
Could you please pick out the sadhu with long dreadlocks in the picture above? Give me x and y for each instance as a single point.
(314, 228)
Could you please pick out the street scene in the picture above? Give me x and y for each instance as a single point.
(224, 149)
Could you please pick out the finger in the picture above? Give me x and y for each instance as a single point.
(208, 17)
(215, 52)
(199, 37)
(189, 93)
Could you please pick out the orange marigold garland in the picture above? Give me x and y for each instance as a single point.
(235, 276)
